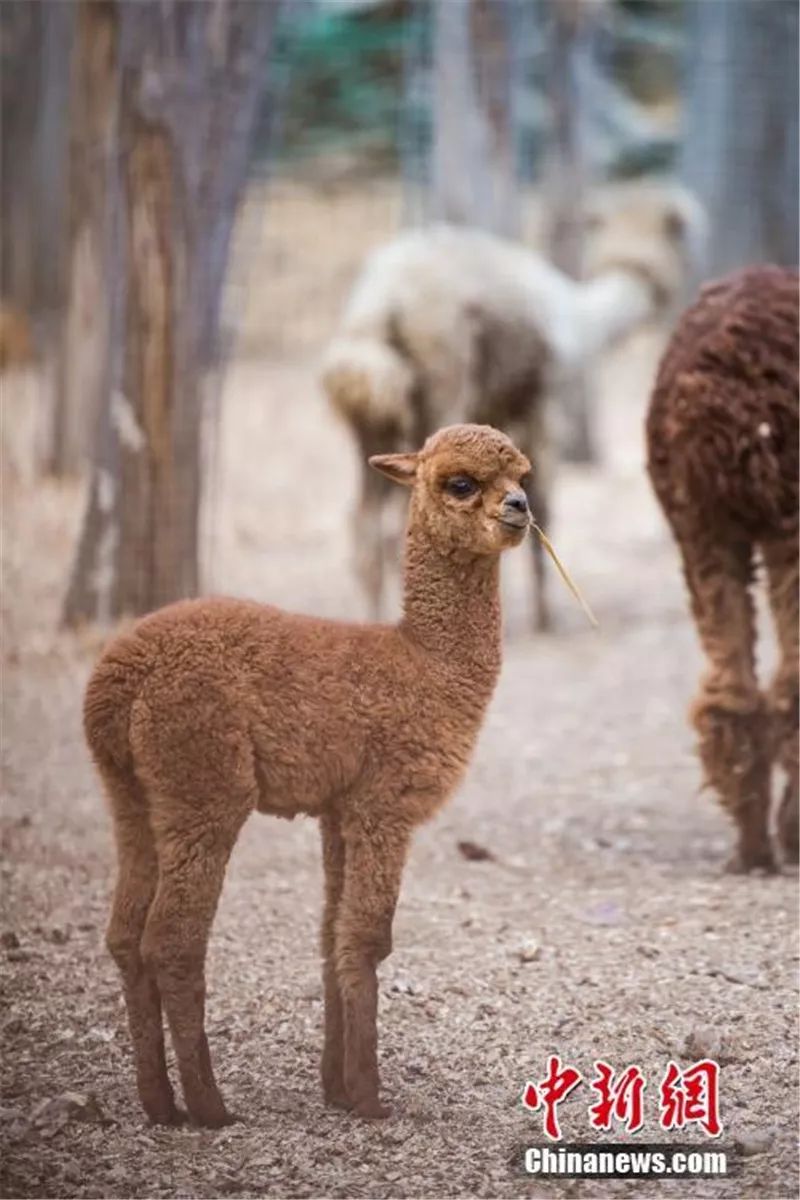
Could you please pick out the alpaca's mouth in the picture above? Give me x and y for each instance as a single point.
(518, 523)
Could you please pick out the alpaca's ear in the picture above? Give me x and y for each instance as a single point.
(402, 468)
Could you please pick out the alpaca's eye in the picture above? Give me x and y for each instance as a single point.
(461, 486)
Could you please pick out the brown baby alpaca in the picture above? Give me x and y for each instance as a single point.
(210, 709)
(723, 458)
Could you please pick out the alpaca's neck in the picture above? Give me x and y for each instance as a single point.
(602, 310)
(452, 607)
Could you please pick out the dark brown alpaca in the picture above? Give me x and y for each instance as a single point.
(723, 458)
(211, 709)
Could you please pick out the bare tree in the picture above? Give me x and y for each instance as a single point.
(572, 27)
(33, 90)
(82, 377)
(187, 81)
(474, 153)
(741, 131)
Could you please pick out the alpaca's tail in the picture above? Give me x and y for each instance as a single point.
(368, 383)
(110, 693)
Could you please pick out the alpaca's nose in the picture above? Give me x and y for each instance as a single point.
(517, 501)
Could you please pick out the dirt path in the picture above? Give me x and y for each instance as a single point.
(584, 789)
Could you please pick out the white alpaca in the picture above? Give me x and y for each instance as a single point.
(448, 324)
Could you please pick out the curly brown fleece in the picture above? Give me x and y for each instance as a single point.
(722, 437)
(210, 709)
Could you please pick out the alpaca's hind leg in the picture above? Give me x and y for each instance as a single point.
(135, 888)
(374, 862)
(333, 1049)
(781, 561)
(192, 856)
(729, 712)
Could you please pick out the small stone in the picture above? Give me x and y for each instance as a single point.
(647, 951)
(750, 1144)
(9, 940)
(606, 913)
(51, 1115)
(742, 975)
(118, 1174)
(475, 853)
(706, 1041)
(99, 1033)
(529, 951)
(403, 986)
(59, 937)
(764, 430)
(18, 956)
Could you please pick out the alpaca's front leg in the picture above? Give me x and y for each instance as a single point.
(333, 1048)
(374, 859)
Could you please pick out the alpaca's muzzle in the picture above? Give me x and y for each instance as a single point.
(514, 510)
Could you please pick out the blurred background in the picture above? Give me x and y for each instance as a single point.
(190, 189)
(188, 193)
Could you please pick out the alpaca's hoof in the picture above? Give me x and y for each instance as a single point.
(749, 862)
(215, 1120)
(337, 1098)
(171, 1115)
(212, 1116)
(371, 1110)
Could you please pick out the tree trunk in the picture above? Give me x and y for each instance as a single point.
(740, 151)
(22, 33)
(33, 95)
(474, 151)
(83, 369)
(572, 26)
(187, 80)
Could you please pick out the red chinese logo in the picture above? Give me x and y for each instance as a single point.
(691, 1096)
(620, 1099)
(549, 1093)
(685, 1097)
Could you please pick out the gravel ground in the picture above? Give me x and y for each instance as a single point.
(601, 927)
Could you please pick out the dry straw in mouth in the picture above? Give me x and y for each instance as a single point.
(564, 573)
